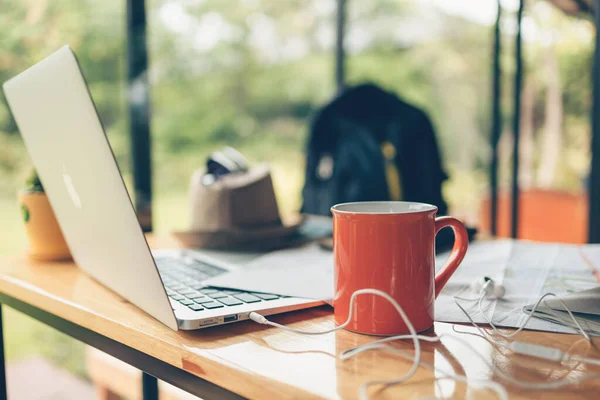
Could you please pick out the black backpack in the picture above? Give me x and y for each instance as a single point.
(369, 145)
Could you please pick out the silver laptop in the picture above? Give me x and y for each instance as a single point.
(57, 118)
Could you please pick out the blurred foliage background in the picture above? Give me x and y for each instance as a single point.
(250, 73)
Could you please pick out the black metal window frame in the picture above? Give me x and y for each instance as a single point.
(594, 181)
(496, 116)
(594, 177)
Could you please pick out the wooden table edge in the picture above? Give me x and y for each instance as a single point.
(181, 372)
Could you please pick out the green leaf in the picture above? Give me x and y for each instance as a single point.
(33, 183)
(25, 212)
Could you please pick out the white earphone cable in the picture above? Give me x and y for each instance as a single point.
(363, 394)
(517, 382)
(523, 324)
(494, 386)
(517, 347)
(413, 334)
(529, 315)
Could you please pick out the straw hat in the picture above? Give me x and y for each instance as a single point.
(239, 210)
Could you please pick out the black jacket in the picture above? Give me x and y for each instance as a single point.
(351, 130)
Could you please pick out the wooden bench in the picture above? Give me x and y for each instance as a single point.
(116, 380)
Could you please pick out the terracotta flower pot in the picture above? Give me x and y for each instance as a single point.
(46, 241)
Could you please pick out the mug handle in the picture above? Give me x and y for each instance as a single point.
(461, 243)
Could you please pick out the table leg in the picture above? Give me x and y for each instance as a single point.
(3, 394)
(149, 387)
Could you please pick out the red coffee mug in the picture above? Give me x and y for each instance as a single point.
(390, 246)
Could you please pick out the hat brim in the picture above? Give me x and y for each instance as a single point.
(264, 237)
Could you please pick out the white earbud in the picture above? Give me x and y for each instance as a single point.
(489, 287)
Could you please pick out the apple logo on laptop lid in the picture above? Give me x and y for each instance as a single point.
(71, 189)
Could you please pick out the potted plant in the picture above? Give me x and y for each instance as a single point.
(46, 241)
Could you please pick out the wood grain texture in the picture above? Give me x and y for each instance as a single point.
(262, 362)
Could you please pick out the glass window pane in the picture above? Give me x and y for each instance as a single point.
(246, 74)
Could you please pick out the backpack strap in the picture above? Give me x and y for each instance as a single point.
(392, 173)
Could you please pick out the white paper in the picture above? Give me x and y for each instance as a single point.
(529, 271)
(305, 272)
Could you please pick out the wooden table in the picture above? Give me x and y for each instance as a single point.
(255, 361)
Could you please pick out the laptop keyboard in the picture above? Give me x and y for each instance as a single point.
(183, 279)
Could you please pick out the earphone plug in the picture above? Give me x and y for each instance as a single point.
(257, 318)
(536, 350)
(489, 287)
